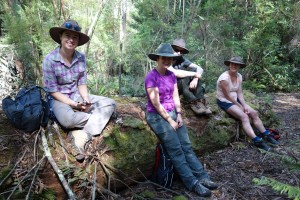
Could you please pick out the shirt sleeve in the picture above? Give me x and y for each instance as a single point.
(150, 81)
(186, 63)
(82, 78)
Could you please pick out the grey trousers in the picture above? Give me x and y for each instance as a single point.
(92, 122)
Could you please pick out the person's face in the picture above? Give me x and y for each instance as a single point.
(178, 50)
(69, 40)
(234, 67)
(164, 62)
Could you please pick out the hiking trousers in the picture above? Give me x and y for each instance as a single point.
(188, 94)
(92, 122)
(179, 148)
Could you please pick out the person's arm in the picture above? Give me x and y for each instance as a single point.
(177, 106)
(225, 88)
(83, 91)
(240, 96)
(179, 73)
(154, 98)
(199, 71)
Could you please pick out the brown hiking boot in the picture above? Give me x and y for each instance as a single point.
(198, 108)
(207, 110)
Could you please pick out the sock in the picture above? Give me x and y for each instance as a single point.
(256, 139)
(267, 132)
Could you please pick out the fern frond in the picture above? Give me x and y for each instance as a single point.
(291, 191)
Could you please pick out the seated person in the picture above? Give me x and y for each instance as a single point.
(65, 78)
(164, 117)
(189, 79)
(230, 99)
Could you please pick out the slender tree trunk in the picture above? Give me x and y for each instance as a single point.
(123, 31)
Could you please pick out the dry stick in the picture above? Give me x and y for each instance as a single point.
(35, 157)
(101, 190)
(107, 174)
(13, 169)
(26, 176)
(33, 179)
(94, 182)
(56, 129)
(55, 168)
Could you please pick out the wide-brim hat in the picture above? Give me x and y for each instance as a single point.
(165, 50)
(180, 43)
(69, 25)
(236, 60)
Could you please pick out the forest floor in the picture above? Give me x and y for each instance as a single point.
(235, 167)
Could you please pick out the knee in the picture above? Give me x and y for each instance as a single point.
(245, 118)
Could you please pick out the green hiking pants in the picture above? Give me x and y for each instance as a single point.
(190, 95)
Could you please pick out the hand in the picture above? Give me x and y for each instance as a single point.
(174, 124)
(82, 106)
(193, 84)
(179, 120)
(247, 109)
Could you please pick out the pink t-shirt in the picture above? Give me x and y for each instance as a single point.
(165, 84)
(233, 88)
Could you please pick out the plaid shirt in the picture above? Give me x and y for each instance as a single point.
(60, 78)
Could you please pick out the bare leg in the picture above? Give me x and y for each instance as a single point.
(256, 120)
(239, 114)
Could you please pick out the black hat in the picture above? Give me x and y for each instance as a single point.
(164, 49)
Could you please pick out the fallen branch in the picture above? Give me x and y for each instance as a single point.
(59, 173)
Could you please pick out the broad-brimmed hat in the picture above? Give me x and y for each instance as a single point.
(69, 25)
(164, 49)
(237, 60)
(180, 43)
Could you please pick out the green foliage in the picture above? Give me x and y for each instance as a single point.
(291, 191)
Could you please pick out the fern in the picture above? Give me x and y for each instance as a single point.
(291, 191)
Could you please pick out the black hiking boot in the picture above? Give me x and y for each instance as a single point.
(202, 191)
(262, 145)
(270, 140)
(209, 184)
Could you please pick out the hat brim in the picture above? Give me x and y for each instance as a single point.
(227, 63)
(154, 56)
(56, 31)
(184, 51)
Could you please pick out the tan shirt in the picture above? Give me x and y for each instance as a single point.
(233, 88)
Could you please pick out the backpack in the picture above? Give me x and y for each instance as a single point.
(274, 133)
(29, 110)
(163, 171)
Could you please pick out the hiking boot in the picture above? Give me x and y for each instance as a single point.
(79, 140)
(204, 103)
(201, 190)
(198, 108)
(207, 111)
(270, 140)
(262, 145)
(209, 184)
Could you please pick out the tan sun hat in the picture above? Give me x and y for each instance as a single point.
(236, 60)
(165, 50)
(180, 43)
(69, 25)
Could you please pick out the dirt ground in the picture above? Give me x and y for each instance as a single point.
(236, 166)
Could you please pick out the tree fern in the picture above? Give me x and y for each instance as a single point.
(291, 191)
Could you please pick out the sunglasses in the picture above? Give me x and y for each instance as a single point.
(177, 50)
(71, 26)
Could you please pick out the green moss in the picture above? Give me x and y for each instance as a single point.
(134, 123)
(181, 197)
(132, 146)
(148, 194)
